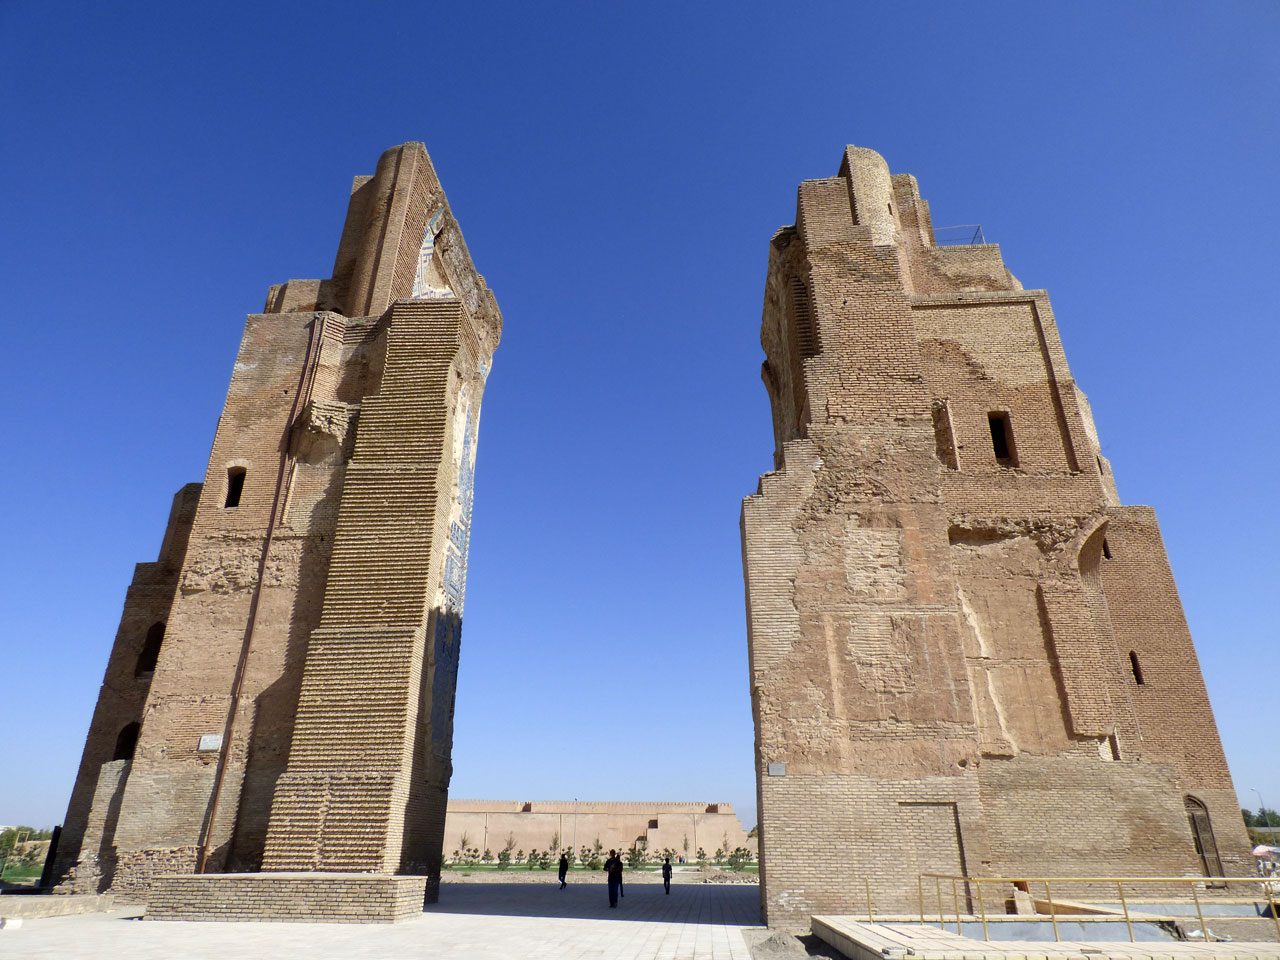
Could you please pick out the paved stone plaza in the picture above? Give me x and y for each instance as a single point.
(486, 921)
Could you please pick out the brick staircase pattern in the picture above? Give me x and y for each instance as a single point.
(347, 800)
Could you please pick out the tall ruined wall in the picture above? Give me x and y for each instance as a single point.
(87, 842)
(939, 645)
(247, 589)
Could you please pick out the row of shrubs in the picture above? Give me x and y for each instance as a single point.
(590, 858)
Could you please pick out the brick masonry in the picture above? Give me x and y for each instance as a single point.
(289, 897)
(963, 659)
(280, 692)
(554, 824)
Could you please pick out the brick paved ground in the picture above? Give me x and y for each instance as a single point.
(482, 921)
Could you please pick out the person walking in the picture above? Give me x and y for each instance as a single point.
(666, 874)
(564, 869)
(613, 871)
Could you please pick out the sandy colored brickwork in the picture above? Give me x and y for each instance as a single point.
(940, 639)
(300, 712)
(559, 824)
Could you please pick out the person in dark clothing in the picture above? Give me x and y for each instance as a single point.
(564, 869)
(613, 871)
(666, 874)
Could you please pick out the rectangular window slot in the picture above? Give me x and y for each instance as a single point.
(235, 486)
(1002, 438)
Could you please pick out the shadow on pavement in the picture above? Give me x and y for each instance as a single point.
(731, 904)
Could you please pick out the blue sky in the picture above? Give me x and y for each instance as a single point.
(618, 170)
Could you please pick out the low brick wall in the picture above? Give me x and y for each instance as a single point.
(33, 906)
(292, 897)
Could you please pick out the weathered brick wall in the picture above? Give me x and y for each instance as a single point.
(682, 827)
(284, 897)
(243, 595)
(120, 703)
(1174, 716)
(938, 645)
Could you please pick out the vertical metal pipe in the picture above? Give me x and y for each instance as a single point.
(1052, 913)
(1124, 903)
(1204, 931)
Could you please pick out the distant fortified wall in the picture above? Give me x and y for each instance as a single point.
(967, 656)
(280, 692)
(555, 825)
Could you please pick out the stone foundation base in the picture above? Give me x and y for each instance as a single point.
(31, 906)
(307, 897)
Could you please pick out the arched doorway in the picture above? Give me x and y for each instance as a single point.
(1202, 834)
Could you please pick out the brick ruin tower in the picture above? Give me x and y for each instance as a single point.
(967, 656)
(279, 696)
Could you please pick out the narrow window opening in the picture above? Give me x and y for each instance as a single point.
(150, 650)
(235, 486)
(1100, 470)
(126, 742)
(944, 437)
(1002, 438)
(1109, 748)
(1136, 667)
(1106, 548)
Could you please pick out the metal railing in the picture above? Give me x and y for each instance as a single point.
(964, 234)
(1267, 889)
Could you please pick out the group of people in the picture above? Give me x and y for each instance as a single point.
(613, 873)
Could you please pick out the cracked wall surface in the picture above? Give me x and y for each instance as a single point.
(311, 629)
(940, 635)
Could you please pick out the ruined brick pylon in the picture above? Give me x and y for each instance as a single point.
(280, 693)
(967, 656)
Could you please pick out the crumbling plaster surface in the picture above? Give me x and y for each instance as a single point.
(940, 640)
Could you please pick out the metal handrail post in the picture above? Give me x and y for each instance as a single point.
(955, 903)
(1204, 931)
(1271, 903)
(937, 889)
(870, 918)
(1125, 904)
(982, 908)
(1052, 915)
(920, 891)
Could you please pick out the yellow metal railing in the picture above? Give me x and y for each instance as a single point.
(1266, 887)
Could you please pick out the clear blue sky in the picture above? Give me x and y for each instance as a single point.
(618, 170)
